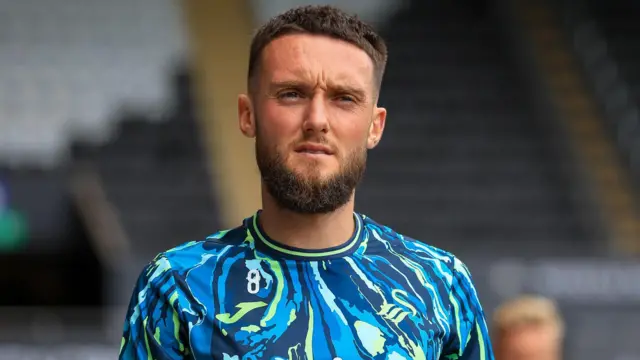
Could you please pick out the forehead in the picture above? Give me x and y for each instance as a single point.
(316, 58)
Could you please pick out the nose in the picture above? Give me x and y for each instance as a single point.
(316, 120)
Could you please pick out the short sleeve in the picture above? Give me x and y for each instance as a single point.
(469, 337)
(153, 327)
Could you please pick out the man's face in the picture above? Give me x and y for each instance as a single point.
(530, 342)
(314, 117)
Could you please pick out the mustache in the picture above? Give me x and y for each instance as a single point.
(314, 139)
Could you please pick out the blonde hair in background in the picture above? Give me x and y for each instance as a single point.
(528, 310)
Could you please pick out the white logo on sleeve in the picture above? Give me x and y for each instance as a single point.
(253, 281)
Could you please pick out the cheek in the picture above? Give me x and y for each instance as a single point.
(352, 135)
(282, 118)
(277, 127)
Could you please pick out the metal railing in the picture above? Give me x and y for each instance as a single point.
(110, 243)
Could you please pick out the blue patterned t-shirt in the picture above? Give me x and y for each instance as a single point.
(239, 295)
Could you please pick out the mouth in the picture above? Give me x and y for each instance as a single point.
(313, 149)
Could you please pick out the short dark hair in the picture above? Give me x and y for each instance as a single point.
(320, 20)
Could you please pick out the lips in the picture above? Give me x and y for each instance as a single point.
(311, 148)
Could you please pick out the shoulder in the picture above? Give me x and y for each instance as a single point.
(188, 255)
(441, 263)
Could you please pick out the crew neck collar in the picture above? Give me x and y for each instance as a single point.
(268, 245)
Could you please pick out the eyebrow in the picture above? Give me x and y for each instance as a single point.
(337, 88)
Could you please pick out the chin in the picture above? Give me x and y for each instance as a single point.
(315, 175)
(316, 168)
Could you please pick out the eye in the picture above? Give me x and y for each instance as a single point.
(345, 98)
(289, 95)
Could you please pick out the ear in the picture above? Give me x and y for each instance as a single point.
(377, 127)
(246, 120)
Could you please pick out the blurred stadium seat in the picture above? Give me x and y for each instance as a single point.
(75, 64)
(465, 155)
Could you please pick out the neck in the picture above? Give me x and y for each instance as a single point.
(307, 231)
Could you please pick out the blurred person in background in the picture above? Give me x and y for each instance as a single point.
(306, 277)
(528, 328)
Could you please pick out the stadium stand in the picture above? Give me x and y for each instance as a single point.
(601, 40)
(72, 71)
(606, 40)
(75, 63)
(155, 175)
(465, 164)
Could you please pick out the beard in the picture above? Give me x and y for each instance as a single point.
(309, 194)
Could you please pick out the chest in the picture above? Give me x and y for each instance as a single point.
(340, 309)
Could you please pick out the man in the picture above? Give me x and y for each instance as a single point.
(528, 328)
(306, 277)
